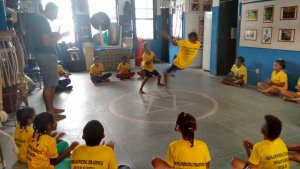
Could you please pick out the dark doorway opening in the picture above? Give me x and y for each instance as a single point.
(165, 26)
(227, 36)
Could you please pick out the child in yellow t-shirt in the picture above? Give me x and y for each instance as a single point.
(292, 96)
(238, 75)
(188, 50)
(124, 69)
(63, 84)
(269, 153)
(187, 153)
(23, 132)
(93, 154)
(44, 151)
(96, 72)
(148, 66)
(278, 82)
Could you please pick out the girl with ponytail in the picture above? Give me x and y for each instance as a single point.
(188, 152)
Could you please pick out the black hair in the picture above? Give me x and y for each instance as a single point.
(50, 6)
(96, 58)
(23, 115)
(124, 57)
(241, 58)
(272, 127)
(41, 123)
(93, 133)
(281, 62)
(145, 44)
(193, 35)
(187, 125)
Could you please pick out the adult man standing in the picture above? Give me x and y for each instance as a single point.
(44, 40)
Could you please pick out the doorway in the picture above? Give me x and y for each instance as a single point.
(165, 26)
(227, 36)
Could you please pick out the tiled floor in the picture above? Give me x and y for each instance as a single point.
(143, 126)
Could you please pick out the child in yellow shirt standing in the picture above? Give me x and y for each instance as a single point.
(44, 151)
(238, 75)
(63, 84)
(292, 96)
(188, 50)
(269, 153)
(124, 69)
(187, 153)
(278, 82)
(148, 66)
(96, 72)
(23, 132)
(100, 156)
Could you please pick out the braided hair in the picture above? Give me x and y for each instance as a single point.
(23, 115)
(41, 124)
(187, 125)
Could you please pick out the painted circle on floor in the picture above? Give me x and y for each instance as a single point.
(163, 106)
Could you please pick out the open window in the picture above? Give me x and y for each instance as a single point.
(144, 13)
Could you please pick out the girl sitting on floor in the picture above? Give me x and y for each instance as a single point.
(292, 96)
(187, 152)
(124, 69)
(44, 151)
(278, 82)
(23, 132)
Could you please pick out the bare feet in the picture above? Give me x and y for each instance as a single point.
(59, 117)
(142, 92)
(160, 84)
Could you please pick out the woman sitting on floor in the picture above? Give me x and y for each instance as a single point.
(278, 82)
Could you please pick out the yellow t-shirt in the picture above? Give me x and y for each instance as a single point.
(96, 70)
(270, 154)
(22, 137)
(60, 70)
(280, 77)
(240, 71)
(40, 152)
(298, 85)
(146, 58)
(182, 156)
(187, 53)
(98, 157)
(123, 68)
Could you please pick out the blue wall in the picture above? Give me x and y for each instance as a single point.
(214, 40)
(262, 59)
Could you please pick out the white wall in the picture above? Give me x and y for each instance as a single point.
(216, 3)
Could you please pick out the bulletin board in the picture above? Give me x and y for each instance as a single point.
(271, 24)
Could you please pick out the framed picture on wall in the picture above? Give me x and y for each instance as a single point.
(252, 15)
(201, 22)
(250, 34)
(286, 35)
(266, 35)
(288, 13)
(196, 6)
(206, 7)
(268, 14)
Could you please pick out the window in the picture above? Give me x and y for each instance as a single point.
(144, 19)
(107, 6)
(64, 23)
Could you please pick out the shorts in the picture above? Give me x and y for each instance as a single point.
(172, 68)
(247, 166)
(149, 74)
(48, 66)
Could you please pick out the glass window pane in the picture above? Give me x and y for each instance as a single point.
(144, 29)
(144, 4)
(144, 13)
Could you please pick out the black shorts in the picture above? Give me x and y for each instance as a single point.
(247, 166)
(150, 74)
(172, 69)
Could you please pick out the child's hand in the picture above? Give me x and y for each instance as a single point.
(270, 82)
(60, 135)
(73, 145)
(248, 144)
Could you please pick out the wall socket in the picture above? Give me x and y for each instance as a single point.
(257, 71)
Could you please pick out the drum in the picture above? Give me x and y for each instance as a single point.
(9, 73)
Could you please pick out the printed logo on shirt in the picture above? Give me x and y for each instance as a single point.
(188, 164)
(89, 162)
(280, 162)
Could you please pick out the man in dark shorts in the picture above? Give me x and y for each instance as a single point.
(44, 41)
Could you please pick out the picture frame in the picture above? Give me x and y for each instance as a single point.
(289, 13)
(266, 36)
(206, 7)
(200, 22)
(268, 15)
(286, 35)
(252, 15)
(250, 35)
(196, 6)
